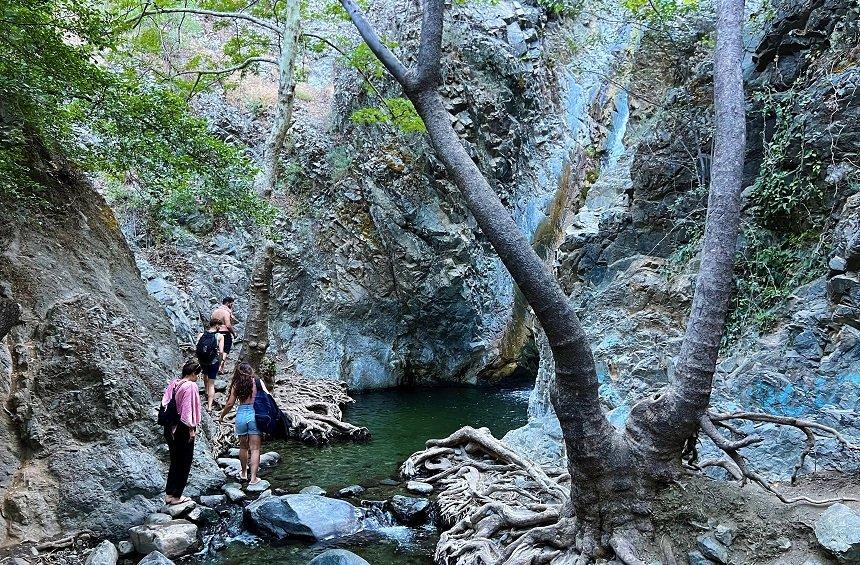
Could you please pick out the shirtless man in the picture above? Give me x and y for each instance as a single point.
(224, 316)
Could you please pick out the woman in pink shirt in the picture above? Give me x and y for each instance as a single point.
(180, 438)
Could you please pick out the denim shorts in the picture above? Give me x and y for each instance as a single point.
(246, 422)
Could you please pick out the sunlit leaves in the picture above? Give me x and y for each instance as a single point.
(397, 112)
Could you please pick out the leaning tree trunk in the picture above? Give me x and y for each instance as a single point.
(268, 177)
(256, 340)
(613, 475)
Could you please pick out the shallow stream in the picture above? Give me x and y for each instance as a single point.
(400, 422)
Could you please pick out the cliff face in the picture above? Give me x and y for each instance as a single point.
(629, 259)
(81, 378)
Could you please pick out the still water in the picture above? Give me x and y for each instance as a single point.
(400, 421)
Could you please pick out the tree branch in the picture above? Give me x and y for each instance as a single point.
(382, 52)
(228, 70)
(201, 12)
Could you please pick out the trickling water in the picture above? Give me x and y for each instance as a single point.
(401, 421)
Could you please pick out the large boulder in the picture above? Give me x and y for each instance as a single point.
(408, 509)
(155, 558)
(104, 553)
(303, 515)
(172, 539)
(838, 531)
(337, 557)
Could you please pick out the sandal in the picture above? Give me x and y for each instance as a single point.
(254, 482)
(180, 500)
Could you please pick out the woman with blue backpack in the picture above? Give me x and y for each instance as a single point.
(244, 389)
(180, 414)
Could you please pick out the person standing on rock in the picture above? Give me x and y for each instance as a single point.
(224, 316)
(180, 437)
(211, 356)
(243, 389)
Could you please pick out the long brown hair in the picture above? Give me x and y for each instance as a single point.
(243, 382)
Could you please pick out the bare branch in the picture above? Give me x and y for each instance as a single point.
(430, 48)
(201, 12)
(228, 70)
(382, 52)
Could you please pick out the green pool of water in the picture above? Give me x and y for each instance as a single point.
(401, 421)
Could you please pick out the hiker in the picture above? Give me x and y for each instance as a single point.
(211, 355)
(224, 315)
(182, 393)
(244, 390)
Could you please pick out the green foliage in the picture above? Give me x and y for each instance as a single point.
(657, 12)
(397, 112)
(787, 187)
(568, 8)
(113, 123)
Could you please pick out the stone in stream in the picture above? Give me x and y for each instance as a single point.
(104, 553)
(233, 452)
(203, 515)
(303, 515)
(175, 510)
(232, 467)
(838, 531)
(155, 558)
(389, 482)
(419, 488)
(270, 459)
(313, 489)
(158, 518)
(259, 486)
(350, 491)
(172, 539)
(213, 500)
(409, 510)
(337, 557)
(234, 492)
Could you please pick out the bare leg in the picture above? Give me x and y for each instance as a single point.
(210, 392)
(255, 456)
(243, 456)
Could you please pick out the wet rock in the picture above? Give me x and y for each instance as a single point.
(270, 459)
(234, 492)
(212, 500)
(232, 467)
(258, 487)
(712, 549)
(838, 531)
(418, 487)
(313, 489)
(155, 558)
(389, 482)
(350, 491)
(125, 548)
(104, 553)
(337, 557)
(172, 539)
(158, 518)
(302, 515)
(203, 515)
(174, 510)
(409, 510)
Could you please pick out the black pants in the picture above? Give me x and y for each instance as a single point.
(228, 341)
(181, 446)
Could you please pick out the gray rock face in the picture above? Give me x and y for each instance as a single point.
(96, 459)
(838, 531)
(303, 515)
(104, 553)
(337, 557)
(172, 539)
(409, 510)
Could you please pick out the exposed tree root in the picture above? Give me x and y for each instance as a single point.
(313, 408)
(738, 466)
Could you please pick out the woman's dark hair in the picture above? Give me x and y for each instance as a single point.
(191, 367)
(243, 382)
(228, 300)
(214, 323)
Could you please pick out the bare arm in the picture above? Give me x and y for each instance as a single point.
(231, 400)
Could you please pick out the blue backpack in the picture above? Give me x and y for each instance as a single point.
(270, 419)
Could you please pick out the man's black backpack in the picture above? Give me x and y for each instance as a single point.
(207, 348)
(169, 415)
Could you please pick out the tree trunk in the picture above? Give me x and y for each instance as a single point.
(268, 176)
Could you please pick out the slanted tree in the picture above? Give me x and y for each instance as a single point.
(614, 474)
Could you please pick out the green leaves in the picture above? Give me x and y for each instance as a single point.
(397, 112)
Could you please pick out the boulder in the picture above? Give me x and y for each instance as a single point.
(350, 491)
(234, 492)
(203, 515)
(258, 487)
(104, 553)
(125, 548)
(158, 518)
(712, 549)
(302, 515)
(313, 489)
(418, 487)
(270, 459)
(337, 557)
(213, 500)
(172, 539)
(838, 531)
(155, 558)
(174, 510)
(695, 557)
(409, 510)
